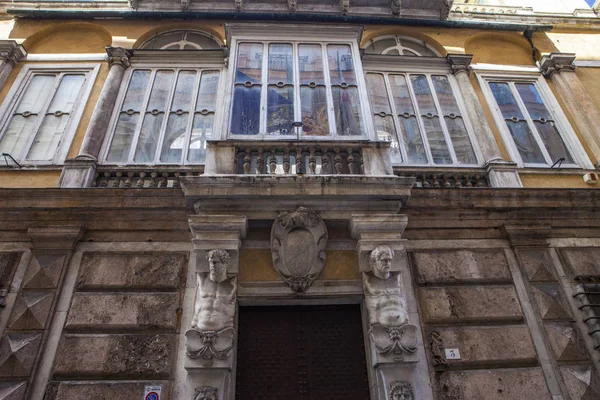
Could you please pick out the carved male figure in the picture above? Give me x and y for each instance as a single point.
(215, 299)
(383, 292)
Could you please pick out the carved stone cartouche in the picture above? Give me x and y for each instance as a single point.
(206, 393)
(298, 241)
(400, 390)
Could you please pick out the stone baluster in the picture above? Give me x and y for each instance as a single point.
(176, 176)
(260, 161)
(273, 161)
(211, 337)
(395, 349)
(10, 55)
(286, 160)
(247, 160)
(337, 161)
(312, 161)
(325, 167)
(299, 161)
(501, 173)
(351, 160)
(79, 172)
(560, 69)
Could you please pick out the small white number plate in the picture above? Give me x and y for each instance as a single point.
(452, 354)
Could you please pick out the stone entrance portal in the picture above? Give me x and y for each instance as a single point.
(301, 353)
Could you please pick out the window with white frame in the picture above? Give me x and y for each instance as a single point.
(533, 125)
(165, 116)
(167, 110)
(42, 112)
(418, 112)
(296, 89)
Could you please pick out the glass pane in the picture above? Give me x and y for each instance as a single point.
(249, 63)
(136, 90)
(445, 95)
(280, 64)
(48, 138)
(310, 59)
(314, 111)
(341, 68)
(526, 144)
(385, 130)
(201, 130)
(413, 142)
(166, 39)
(506, 100)
(174, 141)
(392, 52)
(533, 101)
(437, 143)
(378, 94)
(148, 141)
(460, 141)
(16, 135)
(553, 142)
(161, 90)
(379, 46)
(36, 94)
(183, 91)
(401, 95)
(347, 111)
(121, 142)
(67, 94)
(280, 110)
(423, 94)
(245, 119)
(207, 92)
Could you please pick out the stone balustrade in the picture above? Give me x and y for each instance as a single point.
(446, 179)
(128, 177)
(295, 158)
(491, 9)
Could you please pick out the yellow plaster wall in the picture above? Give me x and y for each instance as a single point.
(69, 38)
(28, 179)
(590, 77)
(256, 265)
(584, 43)
(555, 181)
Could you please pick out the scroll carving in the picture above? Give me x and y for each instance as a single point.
(212, 332)
(388, 319)
(206, 393)
(400, 390)
(298, 241)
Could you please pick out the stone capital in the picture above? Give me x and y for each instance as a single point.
(55, 237)
(217, 232)
(459, 62)
(556, 63)
(118, 56)
(11, 52)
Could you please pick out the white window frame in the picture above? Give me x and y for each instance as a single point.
(295, 35)
(18, 89)
(565, 130)
(154, 65)
(407, 65)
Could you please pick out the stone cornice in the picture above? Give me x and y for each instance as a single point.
(460, 62)
(556, 63)
(11, 52)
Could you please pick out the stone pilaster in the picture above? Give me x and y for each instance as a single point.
(80, 171)
(212, 337)
(559, 68)
(500, 172)
(396, 354)
(10, 55)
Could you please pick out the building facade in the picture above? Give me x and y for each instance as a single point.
(280, 199)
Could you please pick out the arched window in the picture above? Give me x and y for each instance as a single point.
(400, 46)
(181, 40)
(415, 103)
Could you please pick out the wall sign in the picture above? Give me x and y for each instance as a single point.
(152, 392)
(452, 354)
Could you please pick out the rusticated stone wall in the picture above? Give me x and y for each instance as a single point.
(121, 328)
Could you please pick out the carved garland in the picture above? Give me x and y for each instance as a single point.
(298, 241)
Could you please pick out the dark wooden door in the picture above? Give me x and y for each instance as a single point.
(301, 353)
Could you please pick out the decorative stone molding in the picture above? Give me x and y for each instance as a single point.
(206, 393)
(239, 5)
(556, 63)
(55, 237)
(436, 344)
(298, 241)
(459, 62)
(401, 390)
(292, 5)
(396, 6)
(210, 345)
(345, 6)
(533, 234)
(11, 52)
(445, 10)
(119, 56)
(394, 340)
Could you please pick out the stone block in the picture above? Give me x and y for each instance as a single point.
(132, 271)
(18, 353)
(31, 311)
(461, 266)
(566, 342)
(536, 264)
(113, 390)
(499, 384)
(488, 346)
(122, 356)
(44, 271)
(8, 263)
(12, 390)
(582, 382)
(550, 302)
(470, 303)
(583, 261)
(123, 311)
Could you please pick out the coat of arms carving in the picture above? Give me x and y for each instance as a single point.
(298, 241)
